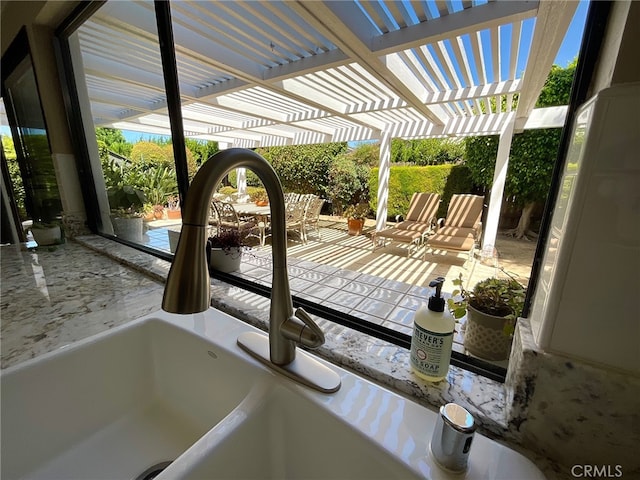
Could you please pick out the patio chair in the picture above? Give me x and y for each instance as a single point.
(294, 218)
(462, 227)
(419, 222)
(312, 214)
(224, 217)
(291, 198)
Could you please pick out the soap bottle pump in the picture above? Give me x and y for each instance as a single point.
(432, 338)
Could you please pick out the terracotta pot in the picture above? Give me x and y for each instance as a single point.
(158, 212)
(225, 261)
(174, 214)
(355, 225)
(484, 335)
(262, 203)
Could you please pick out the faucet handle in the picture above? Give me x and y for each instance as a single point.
(313, 330)
(302, 329)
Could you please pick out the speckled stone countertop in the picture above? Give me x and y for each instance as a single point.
(53, 297)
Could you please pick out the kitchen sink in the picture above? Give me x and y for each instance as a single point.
(116, 404)
(286, 436)
(177, 388)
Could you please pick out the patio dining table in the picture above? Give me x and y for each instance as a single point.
(251, 209)
(261, 214)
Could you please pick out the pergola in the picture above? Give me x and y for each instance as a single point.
(266, 73)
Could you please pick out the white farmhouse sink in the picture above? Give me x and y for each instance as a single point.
(178, 388)
(288, 436)
(118, 403)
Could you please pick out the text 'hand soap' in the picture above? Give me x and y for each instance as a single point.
(432, 339)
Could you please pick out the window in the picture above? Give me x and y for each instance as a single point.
(285, 81)
(34, 180)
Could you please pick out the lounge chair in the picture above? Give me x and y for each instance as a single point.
(461, 229)
(419, 222)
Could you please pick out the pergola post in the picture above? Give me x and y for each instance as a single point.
(241, 178)
(497, 188)
(383, 181)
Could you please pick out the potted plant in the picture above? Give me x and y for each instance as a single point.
(153, 211)
(157, 183)
(355, 215)
(173, 207)
(261, 198)
(127, 207)
(47, 233)
(491, 309)
(225, 250)
(147, 212)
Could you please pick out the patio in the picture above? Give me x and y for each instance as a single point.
(385, 287)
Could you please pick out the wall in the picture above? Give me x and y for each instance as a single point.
(619, 52)
(574, 411)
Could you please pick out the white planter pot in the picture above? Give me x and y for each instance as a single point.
(128, 228)
(47, 236)
(225, 261)
(484, 336)
(174, 236)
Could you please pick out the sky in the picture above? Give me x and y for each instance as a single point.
(571, 45)
(568, 51)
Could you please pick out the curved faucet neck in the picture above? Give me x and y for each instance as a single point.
(188, 285)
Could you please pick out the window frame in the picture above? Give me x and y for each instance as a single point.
(16, 61)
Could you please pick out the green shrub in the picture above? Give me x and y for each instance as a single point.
(255, 193)
(429, 151)
(227, 190)
(366, 154)
(458, 181)
(303, 168)
(404, 181)
(348, 183)
(157, 183)
(148, 153)
(252, 179)
(14, 174)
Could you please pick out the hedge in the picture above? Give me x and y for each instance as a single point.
(404, 181)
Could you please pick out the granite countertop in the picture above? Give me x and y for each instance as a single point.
(51, 297)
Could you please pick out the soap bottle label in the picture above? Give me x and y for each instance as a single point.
(431, 351)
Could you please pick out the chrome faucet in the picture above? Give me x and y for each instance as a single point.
(188, 286)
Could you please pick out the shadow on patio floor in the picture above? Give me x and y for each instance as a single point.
(336, 248)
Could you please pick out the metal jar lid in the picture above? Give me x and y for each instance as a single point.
(458, 418)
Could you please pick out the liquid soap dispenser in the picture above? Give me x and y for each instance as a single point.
(432, 339)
